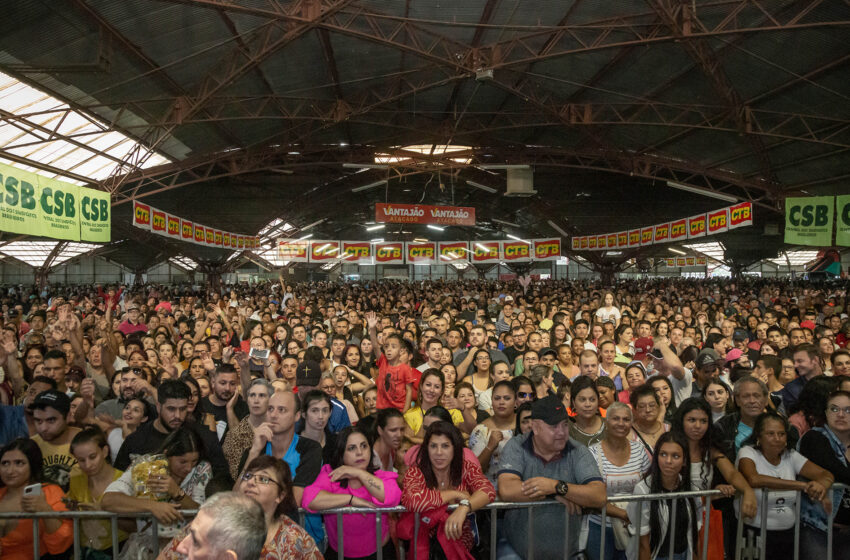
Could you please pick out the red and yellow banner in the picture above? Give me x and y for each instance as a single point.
(356, 252)
(719, 221)
(421, 253)
(389, 253)
(486, 251)
(516, 251)
(547, 249)
(162, 223)
(454, 251)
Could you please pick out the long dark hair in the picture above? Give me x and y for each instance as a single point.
(447, 429)
(705, 443)
(338, 453)
(287, 505)
(812, 400)
(520, 409)
(183, 440)
(653, 477)
(32, 452)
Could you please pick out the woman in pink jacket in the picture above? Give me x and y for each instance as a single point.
(351, 480)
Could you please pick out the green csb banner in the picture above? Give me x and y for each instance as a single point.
(34, 205)
(842, 231)
(808, 220)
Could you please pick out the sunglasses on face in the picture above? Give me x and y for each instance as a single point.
(525, 395)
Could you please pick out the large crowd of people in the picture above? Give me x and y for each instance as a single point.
(251, 401)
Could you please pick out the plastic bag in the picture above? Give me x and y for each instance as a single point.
(142, 468)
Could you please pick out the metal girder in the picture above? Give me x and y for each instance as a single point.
(164, 178)
(722, 17)
(136, 53)
(268, 39)
(682, 20)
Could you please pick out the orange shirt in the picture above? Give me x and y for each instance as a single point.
(17, 545)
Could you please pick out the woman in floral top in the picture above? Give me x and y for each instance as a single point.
(268, 481)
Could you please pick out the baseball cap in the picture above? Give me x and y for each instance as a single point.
(546, 351)
(733, 355)
(549, 409)
(164, 305)
(642, 346)
(53, 399)
(509, 299)
(740, 335)
(707, 357)
(131, 306)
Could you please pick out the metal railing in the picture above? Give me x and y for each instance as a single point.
(494, 507)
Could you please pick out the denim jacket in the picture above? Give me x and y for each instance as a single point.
(812, 513)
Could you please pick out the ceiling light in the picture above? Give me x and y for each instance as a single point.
(282, 171)
(370, 186)
(437, 228)
(504, 166)
(678, 252)
(558, 229)
(314, 224)
(364, 166)
(482, 187)
(518, 238)
(613, 253)
(377, 227)
(377, 240)
(420, 240)
(308, 236)
(703, 192)
(498, 221)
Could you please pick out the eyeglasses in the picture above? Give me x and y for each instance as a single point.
(260, 479)
(525, 395)
(836, 409)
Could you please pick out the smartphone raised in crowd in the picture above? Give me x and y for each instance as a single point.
(259, 354)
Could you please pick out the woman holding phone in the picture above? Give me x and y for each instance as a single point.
(22, 491)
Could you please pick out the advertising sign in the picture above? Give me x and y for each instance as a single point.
(696, 226)
(294, 251)
(454, 251)
(718, 221)
(808, 220)
(424, 214)
(389, 253)
(323, 250)
(356, 252)
(421, 253)
(842, 232)
(547, 249)
(487, 251)
(516, 251)
(741, 215)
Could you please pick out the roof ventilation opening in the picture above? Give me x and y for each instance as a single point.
(520, 182)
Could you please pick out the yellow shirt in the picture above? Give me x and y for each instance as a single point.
(97, 533)
(58, 463)
(415, 416)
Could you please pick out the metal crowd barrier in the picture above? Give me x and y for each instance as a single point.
(709, 495)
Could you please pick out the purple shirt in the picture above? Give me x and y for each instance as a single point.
(359, 529)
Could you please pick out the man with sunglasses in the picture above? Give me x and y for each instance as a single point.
(114, 408)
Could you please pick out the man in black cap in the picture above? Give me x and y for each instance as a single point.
(308, 375)
(541, 465)
(50, 412)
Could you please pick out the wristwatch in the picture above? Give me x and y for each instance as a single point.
(561, 488)
(179, 497)
(466, 503)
